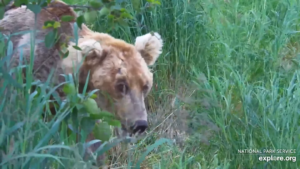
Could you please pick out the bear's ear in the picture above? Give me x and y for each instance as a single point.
(92, 51)
(150, 46)
(85, 31)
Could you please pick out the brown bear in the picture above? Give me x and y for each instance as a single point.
(116, 67)
(120, 69)
(21, 19)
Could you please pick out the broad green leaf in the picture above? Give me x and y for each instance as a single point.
(67, 18)
(91, 106)
(115, 123)
(154, 2)
(66, 54)
(157, 2)
(95, 4)
(48, 24)
(87, 125)
(93, 96)
(56, 25)
(90, 16)
(101, 115)
(126, 15)
(77, 47)
(80, 21)
(104, 11)
(50, 39)
(34, 8)
(69, 89)
(110, 16)
(136, 4)
(102, 131)
(44, 4)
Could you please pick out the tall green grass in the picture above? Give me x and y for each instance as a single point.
(228, 79)
(232, 68)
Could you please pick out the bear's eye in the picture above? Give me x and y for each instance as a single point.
(122, 87)
(145, 88)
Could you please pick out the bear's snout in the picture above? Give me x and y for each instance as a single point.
(140, 126)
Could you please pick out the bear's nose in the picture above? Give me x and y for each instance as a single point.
(140, 126)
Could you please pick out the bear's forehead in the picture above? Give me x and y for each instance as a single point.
(134, 70)
(124, 65)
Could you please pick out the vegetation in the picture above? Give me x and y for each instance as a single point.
(228, 80)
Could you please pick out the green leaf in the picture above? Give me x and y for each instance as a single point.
(102, 115)
(90, 16)
(115, 123)
(91, 106)
(34, 8)
(69, 89)
(80, 21)
(126, 15)
(136, 4)
(66, 54)
(50, 39)
(67, 18)
(95, 4)
(48, 24)
(77, 47)
(56, 25)
(93, 96)
(104, 11)
(74, 118)
(1, 12)
(154, 2)
(43, 4)
(87, 125)
(102, 131)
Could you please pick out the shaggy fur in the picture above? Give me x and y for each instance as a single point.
(21, 19)
(117, 68)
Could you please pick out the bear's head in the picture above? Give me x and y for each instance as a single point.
(119, 69)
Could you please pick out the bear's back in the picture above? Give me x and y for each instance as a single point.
(45, 59)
